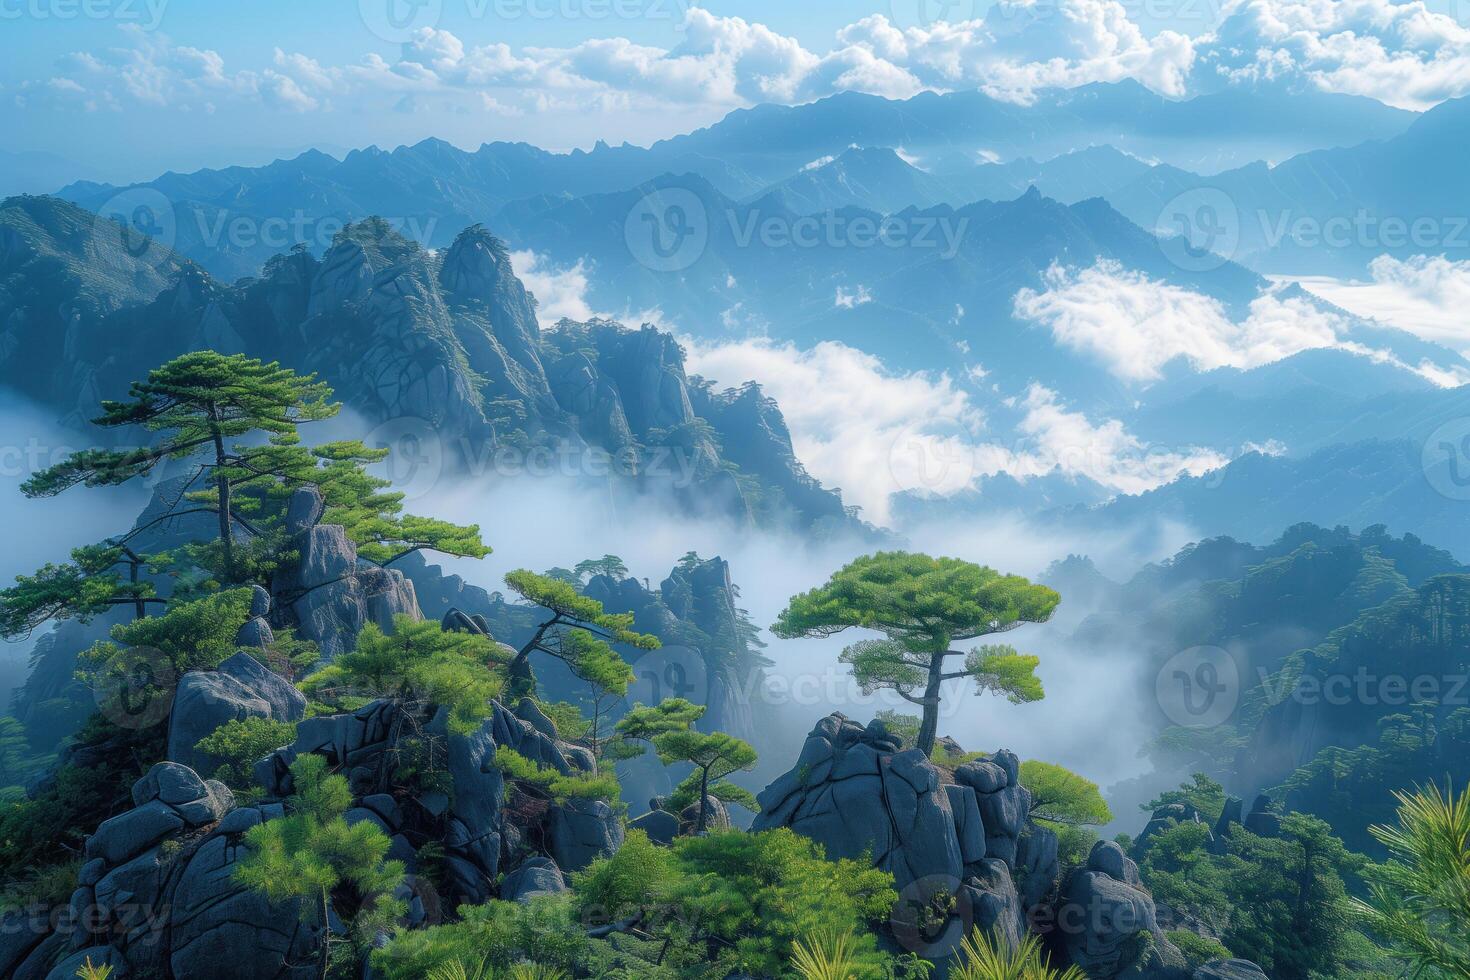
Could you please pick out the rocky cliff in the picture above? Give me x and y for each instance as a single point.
(439, 349)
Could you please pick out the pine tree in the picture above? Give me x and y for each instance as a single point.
(578, 632)
(669, 728)
(922, 605)
(201, 403)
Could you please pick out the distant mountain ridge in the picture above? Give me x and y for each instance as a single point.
(432, 188)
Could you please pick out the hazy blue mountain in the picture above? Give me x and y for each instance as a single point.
(1096, 171)
(1354, 485)
(232, 219)
(880, 179)
(942, 283)
(1331, 211)
(873, 178)
(1211, 132)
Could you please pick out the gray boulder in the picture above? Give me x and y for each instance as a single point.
(660, 825)
(853, 793)
(1038, 864)
(538, 876)
(205, 701)
(119, 838)
(286, 703)
(329, 598)
(219, 929)
(170, 782)
(1103, 917)
(581, 831)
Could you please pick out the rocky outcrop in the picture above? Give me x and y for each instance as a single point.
(440, 349)
(1107, 922)
(856, 793)
(1167, 816)
(240, 688)
(479, 837)
(157, 896)
(328, 596)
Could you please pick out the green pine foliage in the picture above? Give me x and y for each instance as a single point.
(1282, 901)
(552, 784)
(1419, 900)
(98, 578)
(420, 664)
(922, 605)
(312, 855)
(499, 936)
(715, 756)
(239, 744)
(577, 632)
(734, 902)
(197, 635)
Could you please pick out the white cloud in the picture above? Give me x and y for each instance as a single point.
(560, 293)
(1103, 452)
(1401, 53)
(873, 433)
(1136, 325)
(846, 299)
(848, 414)
(1426, 295)
(721, 62)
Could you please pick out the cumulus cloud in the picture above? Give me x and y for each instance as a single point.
(1401, 53)
(850, 418)
(560, 293)
(1427, 295)
(1136, 325)
(721, 62)
(873, 432)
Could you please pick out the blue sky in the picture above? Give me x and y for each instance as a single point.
(129, 88)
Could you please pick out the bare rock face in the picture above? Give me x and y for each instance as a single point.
(1229, 970)
(1108, 923)
(157, 896)
(856, 793)
(329, 596)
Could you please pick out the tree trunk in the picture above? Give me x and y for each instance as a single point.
(326, 957)
(222, 482)
(929, 727)
(703, 802)
(140, 608)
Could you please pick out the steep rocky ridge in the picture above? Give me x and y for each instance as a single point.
(442, 348)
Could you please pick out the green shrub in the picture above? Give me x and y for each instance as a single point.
(239, 744)
(1198, 950)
